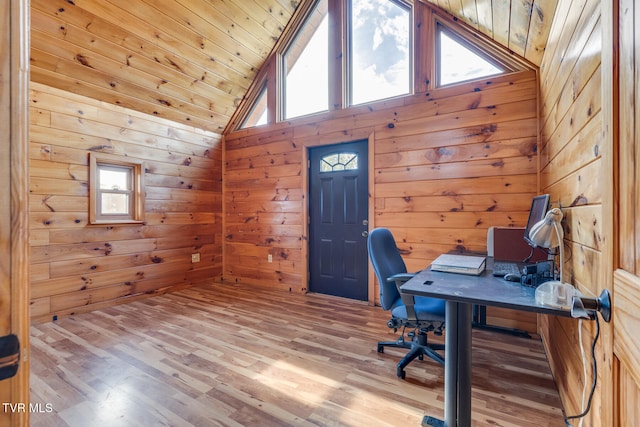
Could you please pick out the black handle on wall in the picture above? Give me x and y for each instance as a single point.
(9, 356)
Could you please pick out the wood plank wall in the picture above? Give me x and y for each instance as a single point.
(447, 165)
(572, 172)
(78, 267)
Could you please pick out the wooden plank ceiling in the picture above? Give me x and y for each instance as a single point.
(186, 60)
(192, 61)
(521, 26)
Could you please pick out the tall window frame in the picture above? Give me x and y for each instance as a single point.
(352, 98)
(128, 197)
(316, 19)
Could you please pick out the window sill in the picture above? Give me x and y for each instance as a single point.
(117, 222)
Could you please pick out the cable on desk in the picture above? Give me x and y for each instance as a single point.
(595, 377)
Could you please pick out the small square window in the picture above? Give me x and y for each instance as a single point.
(116, 189)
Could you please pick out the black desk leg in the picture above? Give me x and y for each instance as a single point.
(457, 368)
(464, 364)
(451, 365)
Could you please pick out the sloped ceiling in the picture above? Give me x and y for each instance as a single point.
(186, 60)
(192, 61)
(521, 26)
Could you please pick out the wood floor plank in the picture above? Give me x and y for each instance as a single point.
(230, 355)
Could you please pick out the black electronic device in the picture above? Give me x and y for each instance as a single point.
(511, 246)
(539, 208)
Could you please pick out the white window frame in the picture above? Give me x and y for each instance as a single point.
(101, 161)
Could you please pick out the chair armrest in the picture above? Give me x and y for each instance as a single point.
(400, 277)
(408, 300)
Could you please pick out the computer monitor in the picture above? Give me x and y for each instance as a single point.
(539, 207)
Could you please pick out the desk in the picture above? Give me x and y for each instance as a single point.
(461, 292)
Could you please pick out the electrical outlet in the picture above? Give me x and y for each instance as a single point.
(269, 258)
(195, 257)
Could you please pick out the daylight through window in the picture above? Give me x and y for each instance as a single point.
(115, 193)
(259, 112)
(339, 162)
(380, 32)
(116, 189)
(365, 49)
(307, 67)
(458, 63)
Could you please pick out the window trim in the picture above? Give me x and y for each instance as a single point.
(137, 189)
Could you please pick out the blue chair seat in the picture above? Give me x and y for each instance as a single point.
(427, 309)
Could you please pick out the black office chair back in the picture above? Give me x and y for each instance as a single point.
(386, 260)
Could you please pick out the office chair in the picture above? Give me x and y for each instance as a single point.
(421, 314)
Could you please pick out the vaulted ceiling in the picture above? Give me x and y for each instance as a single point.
(521, 26)
(192, 61)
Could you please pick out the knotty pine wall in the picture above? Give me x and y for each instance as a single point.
(78, 267)
(446, 166)
(572, 172)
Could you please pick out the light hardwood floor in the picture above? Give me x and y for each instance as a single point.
(228, 355)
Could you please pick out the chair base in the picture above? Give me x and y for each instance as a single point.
(418, 348)
(432, 422)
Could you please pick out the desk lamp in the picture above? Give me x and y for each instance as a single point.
(547, 233)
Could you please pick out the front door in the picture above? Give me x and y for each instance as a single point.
(338, 210)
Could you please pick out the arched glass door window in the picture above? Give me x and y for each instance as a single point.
(336, 162)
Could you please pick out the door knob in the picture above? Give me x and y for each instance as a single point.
(365, 233)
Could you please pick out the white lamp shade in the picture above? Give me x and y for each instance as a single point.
(548, 233)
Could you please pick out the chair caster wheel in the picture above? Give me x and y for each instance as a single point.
(380, 349)
(401, 373)
(421, 357)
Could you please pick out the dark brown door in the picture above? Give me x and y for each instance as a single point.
(338, 209)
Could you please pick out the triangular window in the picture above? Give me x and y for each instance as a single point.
(259, 112)
(458, 61)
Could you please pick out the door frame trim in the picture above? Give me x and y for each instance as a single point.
(15, 268)
(610, 87)
(305, 206)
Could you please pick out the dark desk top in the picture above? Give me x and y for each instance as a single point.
(482, 290)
